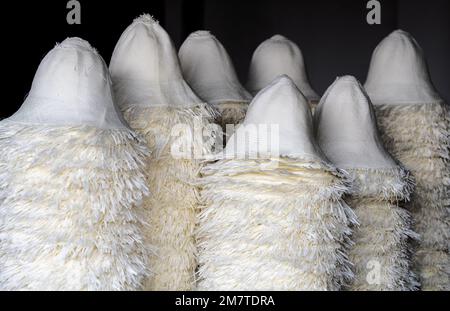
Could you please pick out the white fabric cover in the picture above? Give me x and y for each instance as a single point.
(415, 126)
(347, 133)
(156, 101)
(72, 182)
(208, 69)
(274, 221)
(346, 127)
(281, 104)
(265, 227)
(145, 68)
(276, 56)
(71, 87)
(419, 137)
(398, 73)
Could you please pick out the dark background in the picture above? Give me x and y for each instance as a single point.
(333, 35)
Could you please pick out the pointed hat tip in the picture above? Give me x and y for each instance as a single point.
(278, 37)
(201, 33)
(399, 36)
(76, 43)
(146, 19)
(279, 81)
(400, 32)
(346, 87)
(282, 79)
(347, 79)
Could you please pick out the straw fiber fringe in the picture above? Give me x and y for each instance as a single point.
(419, 137)
(172, 209)
(70, 208)
(231, 113)
(381, 255)
(390, 185)
(273, 228)
(313, 105)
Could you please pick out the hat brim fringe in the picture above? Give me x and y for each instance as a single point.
(381, 256)
(273, 229)
(418, 135)
(231, 113)
(172, 210)
(70, 214)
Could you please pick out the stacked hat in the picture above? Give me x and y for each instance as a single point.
(275, 56)
(72, 182)
(273, 215)
(159, 104)
(208, 69)
(415, 126)
(347, 133)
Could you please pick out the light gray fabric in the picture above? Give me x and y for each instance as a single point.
(276, 56)
(346, 128)
(398, 72)
(208, 69)
(281, 104)
(145, 69)
(72, 86)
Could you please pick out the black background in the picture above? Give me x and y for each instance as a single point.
(333, 35)
(283, 300)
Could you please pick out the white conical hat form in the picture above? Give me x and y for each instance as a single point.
(145, 69)
(208, 69)
(280, 104)
(346, 127)
(398, 73)
(276, 56)
(72, 86)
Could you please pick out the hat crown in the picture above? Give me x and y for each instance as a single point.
(145, 68)
(209, 70)
(398, 73)
(276, 56)
(71, 86)
(284, 110)
(346, 127)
